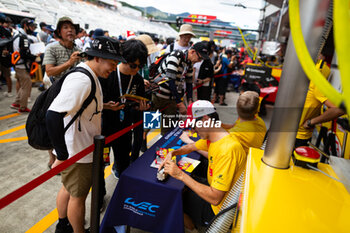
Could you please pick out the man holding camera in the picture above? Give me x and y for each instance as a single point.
(63, 55)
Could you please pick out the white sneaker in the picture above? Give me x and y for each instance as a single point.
(29, 100)
(8, 94)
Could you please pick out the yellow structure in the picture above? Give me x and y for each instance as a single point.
(292, 200)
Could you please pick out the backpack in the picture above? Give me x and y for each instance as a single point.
(36, 129)
(153, 68)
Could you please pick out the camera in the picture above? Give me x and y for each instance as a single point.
(82, 55)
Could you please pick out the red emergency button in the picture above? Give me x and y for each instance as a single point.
(304, 156)
(307, 152)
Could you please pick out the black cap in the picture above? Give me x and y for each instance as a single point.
(202, 49)
(27, 21)
(105, 47)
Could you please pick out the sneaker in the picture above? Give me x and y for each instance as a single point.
(15, 106)
(23, 110)
(115, 173)
(62, 228)
(8, 94)
(223, 104)
(29, 100)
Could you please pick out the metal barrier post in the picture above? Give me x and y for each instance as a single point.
(99, 142)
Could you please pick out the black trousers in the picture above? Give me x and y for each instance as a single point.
(121, 151)
(204, 93)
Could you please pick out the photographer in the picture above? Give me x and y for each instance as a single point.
(63, 55)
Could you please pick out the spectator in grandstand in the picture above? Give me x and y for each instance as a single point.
(177, 68)
(22, 67)
(43, 34)
(185, 35)
(103, 58)
(5, 52)
(117, 111)
(60, 57)
(227, 160)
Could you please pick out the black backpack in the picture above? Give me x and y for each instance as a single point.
(36, 121)
(153, 68)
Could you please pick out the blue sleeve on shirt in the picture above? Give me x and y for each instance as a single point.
(55, 129)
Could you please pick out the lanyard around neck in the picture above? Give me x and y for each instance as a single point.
(120, 85)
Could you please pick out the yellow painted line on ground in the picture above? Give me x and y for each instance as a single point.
(52, 217)
(9, 116)
(13, 139)
(44, 223)
(12, 130)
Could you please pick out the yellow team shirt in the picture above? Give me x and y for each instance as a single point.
(312, 108)
(249, 133)
(313, 103)
(226, 162)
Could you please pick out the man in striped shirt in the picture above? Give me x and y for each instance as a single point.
(177, 70)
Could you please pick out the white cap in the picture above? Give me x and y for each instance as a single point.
(200, 108)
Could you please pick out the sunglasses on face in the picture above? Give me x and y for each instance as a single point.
(134, 66)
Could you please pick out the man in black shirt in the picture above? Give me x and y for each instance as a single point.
(117, 112)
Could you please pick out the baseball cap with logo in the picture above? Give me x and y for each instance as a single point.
(202, 49)
(105, 47)
(199, 109)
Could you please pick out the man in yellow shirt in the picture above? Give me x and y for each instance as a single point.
(312, 110)
(249, 128)
(227, 160)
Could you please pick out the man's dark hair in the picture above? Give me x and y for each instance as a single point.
(249, 87)
(81, 30)
(170, 40)
(42, 24)
(214, 116)
(8, 20)
(91, 33)
(133, 50)
(156, 40)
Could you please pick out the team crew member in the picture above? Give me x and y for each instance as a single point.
(227, 161)
(177, 68)
(116, 114)
(312, 110)
(103, 59)
(249, 128)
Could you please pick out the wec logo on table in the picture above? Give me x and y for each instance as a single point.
(140, 208)
(151, 120)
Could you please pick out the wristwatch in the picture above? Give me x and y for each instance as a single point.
(308, 123)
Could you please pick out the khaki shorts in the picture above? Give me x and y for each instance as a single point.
(77, 179)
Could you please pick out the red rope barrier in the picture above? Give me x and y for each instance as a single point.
(11, 197)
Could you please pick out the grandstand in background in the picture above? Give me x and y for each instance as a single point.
(108, 14)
